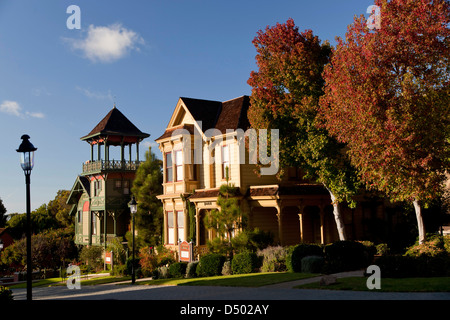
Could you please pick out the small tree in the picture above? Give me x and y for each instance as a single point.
(229, 218)
(146, 186)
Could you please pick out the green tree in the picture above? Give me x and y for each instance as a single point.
(146, 186)
(229, 218)
(59, 209)
(285, 95)
(2, 214)
(41, 220)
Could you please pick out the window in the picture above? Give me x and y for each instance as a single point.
(226, 162)
(171, 229)
(126, 187)
(179, 165)
(94, 223)
(80, 216)
(97, 187)
(180, 225)
(169, 172)
(118, 184)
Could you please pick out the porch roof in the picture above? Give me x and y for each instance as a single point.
(285, 190)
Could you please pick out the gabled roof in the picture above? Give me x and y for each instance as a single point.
(231, 114)
(81, 185)
(115, 123)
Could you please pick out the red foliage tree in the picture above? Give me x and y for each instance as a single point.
(285, 96)
(387, 97)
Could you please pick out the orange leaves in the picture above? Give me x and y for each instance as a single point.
(383, 97)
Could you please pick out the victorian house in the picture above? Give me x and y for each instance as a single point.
(205, 139)
(101, 192)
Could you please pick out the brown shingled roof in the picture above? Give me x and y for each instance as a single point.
(170, 131)
(115, 123)
(231, 114)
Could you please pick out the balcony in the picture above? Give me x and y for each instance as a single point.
(98, 166)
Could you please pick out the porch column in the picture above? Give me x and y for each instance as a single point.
(280, 224)
(197, 225)
(300, 217)
(129, 151)
(137, 151)
(105, 218)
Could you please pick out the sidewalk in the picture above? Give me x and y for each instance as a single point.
(291, 284)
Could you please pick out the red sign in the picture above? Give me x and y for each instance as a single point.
(108, 257)
(185, 251)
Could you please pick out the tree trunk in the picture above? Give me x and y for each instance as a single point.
(338, 217)
(420, 224)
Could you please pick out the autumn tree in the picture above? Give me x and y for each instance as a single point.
(387, 97)
(285, 96)
(146, 186)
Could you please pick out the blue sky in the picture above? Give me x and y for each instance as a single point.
(57, 83)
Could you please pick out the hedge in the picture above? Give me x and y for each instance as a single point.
(294, 259)
(245, 262)
(210, 265)
(345, 256)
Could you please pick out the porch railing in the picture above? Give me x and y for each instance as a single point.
(110, 165)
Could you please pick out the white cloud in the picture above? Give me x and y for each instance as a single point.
(107, 44)
(13, 108)
(39, 115)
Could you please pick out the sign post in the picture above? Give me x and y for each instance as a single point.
(109, 259)
(185, 250)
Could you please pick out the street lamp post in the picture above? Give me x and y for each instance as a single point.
(133, 209)
(27, 162)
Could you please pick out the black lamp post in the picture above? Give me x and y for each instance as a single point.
(133, 209)
(27, 162)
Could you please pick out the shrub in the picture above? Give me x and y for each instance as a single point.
(162, 273)
(210, 265)
(177, 269)
(226, 269)
(273, 259)
(294, 260)
(313, 264)
(191, 269)
(119, 270)
(130, 264)
(433, 247)
(345, 256)
(396, 266)
(244, 262)
(382, 249)
(251, 240)
(92, 255)
(5, 294)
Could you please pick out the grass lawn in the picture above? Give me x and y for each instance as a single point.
(441, 284)
(236, 280)
(58, 282)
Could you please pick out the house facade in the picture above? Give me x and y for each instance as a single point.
(100, 194)
(206, 139)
